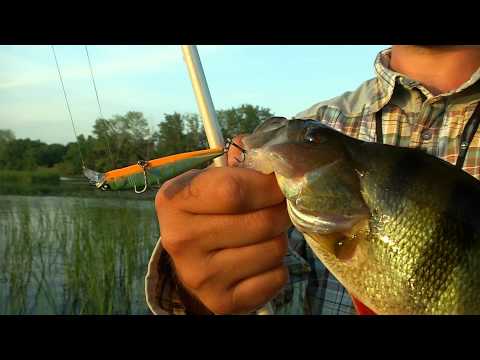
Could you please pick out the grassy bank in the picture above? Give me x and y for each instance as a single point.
(38, 182)
(29, 177)
(48, 183)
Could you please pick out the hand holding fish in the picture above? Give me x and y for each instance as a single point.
(225, 230)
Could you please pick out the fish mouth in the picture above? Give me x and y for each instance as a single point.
(321, 223)
(330, 234)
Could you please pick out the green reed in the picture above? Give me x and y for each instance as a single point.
(76, 259)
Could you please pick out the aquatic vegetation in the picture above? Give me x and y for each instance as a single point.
(75, 256)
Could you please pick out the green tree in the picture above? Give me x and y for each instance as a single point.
(195, 138)
(14, 151)
(51, 154)
(241, 120)
(170, 138)
(23, 154)
(121, 140)
(6, 136)
(26, 154)
(72, 164)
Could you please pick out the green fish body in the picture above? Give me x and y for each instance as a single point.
(397, 227)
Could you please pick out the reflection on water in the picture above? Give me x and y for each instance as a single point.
(66, 255)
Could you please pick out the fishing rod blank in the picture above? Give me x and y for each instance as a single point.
(204, 100)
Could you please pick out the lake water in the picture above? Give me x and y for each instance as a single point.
(74, 255)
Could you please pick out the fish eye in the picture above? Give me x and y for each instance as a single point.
(308, 138)
(313, 136)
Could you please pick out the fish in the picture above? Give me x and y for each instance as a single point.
(397, 227)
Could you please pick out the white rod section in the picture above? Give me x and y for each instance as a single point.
(204, 101)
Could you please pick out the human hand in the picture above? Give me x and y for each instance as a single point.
(225, 230)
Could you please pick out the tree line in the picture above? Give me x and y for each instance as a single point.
(123, 140)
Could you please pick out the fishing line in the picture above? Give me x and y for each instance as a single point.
(68, 107)
(100, 107)
(150, 144)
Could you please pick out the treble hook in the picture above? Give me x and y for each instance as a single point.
(143, 164)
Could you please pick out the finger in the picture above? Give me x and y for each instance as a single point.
(234, 265)
(256, 291)
(221, 191)
(216, 232)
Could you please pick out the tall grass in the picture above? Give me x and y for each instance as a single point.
(16, 265)
(76, 259)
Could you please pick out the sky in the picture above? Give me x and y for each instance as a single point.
(154, 80)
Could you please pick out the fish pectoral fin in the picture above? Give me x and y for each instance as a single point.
(361, 308)
(343, 243)
(345, 248)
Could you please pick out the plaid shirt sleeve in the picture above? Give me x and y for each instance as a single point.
(161, 287)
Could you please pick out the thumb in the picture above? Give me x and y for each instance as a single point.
(234, 155)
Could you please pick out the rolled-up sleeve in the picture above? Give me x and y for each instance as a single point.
(164, 295)
(161, 289)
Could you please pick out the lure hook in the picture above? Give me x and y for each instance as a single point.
(143, 164)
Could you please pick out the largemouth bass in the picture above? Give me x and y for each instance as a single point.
(397, 227)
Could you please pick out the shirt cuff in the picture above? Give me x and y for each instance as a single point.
(161, 289)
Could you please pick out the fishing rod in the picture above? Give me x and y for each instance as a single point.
(204, 101)
(208, 115)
